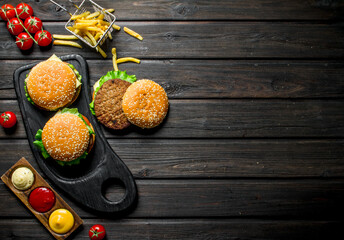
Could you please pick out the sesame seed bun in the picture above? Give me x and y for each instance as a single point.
(51, 85)
(145, 103)
(66, 137)
(108, 104)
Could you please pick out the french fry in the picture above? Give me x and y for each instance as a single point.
(97, 48)
(110, 10)
(133, 33)
(74, 17)
(83, 25)
(109, 35)
(114, 60)
(77, 31)
(102, 22)
(93, 15)
(98, 35)
(101, 16)
(127, 59)
(67, 43)
(64, 37)
(88, 40)
(116, 27)
(89, 22)
(101, 52)
(94, 42)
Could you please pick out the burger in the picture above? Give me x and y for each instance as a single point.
(67, 137)
(52, 84)
(107, 99)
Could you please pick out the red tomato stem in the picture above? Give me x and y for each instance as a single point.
(25, 27)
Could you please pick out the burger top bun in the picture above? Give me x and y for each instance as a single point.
(145, 103)
(51, 85)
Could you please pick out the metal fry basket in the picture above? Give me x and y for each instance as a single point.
(89, 5)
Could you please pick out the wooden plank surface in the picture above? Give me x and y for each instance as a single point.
(300, 198)
(170, 40)
(203, 9)
(220, 78)
(230, 118)
(253, 144)
(188, 229)
(214, 158)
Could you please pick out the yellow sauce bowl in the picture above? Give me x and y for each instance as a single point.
(61, 221)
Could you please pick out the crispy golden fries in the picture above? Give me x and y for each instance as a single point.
(67, 43)
(92, 27)
(64, 37)
(114, 59)
(127, 59)
(132, 33)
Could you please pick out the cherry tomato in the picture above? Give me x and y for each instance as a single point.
(33, 24)
(43, 38)
(7, 12)
(8, 119)
(24, 41)
(97, 232)
(24, 10)
(14, 26)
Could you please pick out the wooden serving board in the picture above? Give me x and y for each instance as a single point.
(24, 197)
(83, 182)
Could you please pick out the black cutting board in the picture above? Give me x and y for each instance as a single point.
(82, 182)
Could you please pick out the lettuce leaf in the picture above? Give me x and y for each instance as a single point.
(111, 75)
(78, 76)
(27, 94)
(74, 162)
(38, 143)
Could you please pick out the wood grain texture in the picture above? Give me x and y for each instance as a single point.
(220, 78)
(169, 40)
(219, 229)
(229, 118)
(214, 158)
(24, 196)
(312, 199)
(203, 9)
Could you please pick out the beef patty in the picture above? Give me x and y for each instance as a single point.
(108, 104)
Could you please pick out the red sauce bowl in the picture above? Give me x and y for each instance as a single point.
(42, 199)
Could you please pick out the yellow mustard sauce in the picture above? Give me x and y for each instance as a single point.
(22, 178)
(61, 221)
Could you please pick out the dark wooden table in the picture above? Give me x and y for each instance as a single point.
(253, 144)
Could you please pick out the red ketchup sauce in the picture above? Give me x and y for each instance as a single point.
(42, 199)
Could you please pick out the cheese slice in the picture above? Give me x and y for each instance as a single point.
(96, 85)
(55, 58)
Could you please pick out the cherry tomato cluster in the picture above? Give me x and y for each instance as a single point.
(32, 25)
